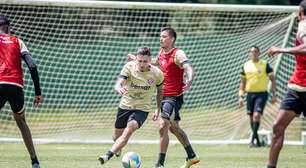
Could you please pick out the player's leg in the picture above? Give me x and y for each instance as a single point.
(116, 134)
(135, 120)
(259, 106)
(164, 125)
(250, 100)
(16, 100)
(291, 106)
(283, 119)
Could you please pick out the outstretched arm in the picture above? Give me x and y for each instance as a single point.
(241, 91)
(26, 56)
(159, 98)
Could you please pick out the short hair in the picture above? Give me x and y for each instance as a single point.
(256, 47)
(144, 51)
(4, 20)
(303, 5)
(170, 31)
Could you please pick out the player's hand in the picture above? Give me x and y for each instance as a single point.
(187, 86)
(241, 102)
(37, 100)
(273, 51)
(131, 57)
(273, 99)
(121, 90)
(156, 114)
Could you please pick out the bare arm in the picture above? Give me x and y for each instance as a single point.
(119, 85)
(273, 83)
(131, 57)
(241, 91)
(190, 74)
(301, 49)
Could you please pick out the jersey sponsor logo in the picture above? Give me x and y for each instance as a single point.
(134, 86)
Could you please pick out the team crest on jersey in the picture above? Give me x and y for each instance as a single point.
(150, 81)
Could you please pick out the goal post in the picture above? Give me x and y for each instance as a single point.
(81, 46)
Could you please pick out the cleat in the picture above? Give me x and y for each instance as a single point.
(35, 165)
(189, 162)
(103, 159)
(118, 154)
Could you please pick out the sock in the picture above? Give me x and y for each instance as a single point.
(109, 154)
(161, 159)
(255, 134)
(34, 160)
(252, 128)
(271, 166)
(190, 152)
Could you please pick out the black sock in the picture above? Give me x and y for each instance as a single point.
(190, 152)
(252, 128)
(255, 134)
(271, 166)
(34, 160)
(109, 154)
(161, 159)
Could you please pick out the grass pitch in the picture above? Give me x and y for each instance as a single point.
(85, 156)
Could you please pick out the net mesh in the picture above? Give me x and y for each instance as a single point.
(81, 50)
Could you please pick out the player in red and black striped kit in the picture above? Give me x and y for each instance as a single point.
(12, 51)
(294, 102)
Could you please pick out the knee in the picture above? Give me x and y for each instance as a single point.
(163, 128)
(278, 130)
(174, 129)
(256, 117)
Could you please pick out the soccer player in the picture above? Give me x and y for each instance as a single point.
(136, 83)
(294, 102)
(255, 77)
(174, 64)
(12, 51)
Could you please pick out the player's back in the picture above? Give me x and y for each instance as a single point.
(10, 60)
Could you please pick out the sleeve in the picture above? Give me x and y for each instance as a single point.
(181, 58)
(23, 47)
(301, 30)
(242, 73)
(269, 70)
(125, 72)
(160, 78)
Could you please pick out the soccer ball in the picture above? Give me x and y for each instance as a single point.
(131, 160)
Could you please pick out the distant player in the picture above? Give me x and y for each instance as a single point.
(136, 83)
(255, 77)
(174, 64)
(294, 102)
(12, 51)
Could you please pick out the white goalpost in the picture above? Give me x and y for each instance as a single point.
(80, 47)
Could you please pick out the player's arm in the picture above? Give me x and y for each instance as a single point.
(132, 57)
(301, 49)
(124, 75)
(119, 88)
(182, 61)
(27, 57)
(159, 98)
(269, 71)
(242, 85)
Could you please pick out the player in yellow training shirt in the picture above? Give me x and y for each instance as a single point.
(255, 77)
(137, 83)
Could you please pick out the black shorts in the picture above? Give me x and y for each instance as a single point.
(294, 101)
(256, 102)
(125, 115)
(171, 106)
(14, 95)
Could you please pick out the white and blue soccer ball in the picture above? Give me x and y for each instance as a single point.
(131, 160)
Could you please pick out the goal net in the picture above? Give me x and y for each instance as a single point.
(81, 46)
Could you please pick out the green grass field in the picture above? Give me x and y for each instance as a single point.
(85, 156)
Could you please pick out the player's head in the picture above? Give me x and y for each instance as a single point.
(167, 37)
(302, 10)
(254, 53)
(4, 24)
(143, 58)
